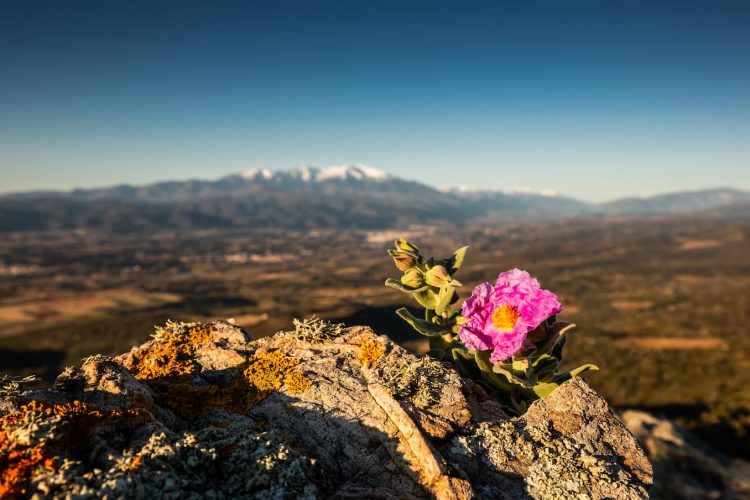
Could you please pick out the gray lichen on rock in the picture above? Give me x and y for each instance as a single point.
(210, 463)
(571, 436)
(418, 379)
(402, 426)
(314, 330)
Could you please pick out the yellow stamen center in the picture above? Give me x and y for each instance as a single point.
(505, 317)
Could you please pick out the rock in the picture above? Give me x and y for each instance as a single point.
(570, 436)
(685, 466)
(201, 411)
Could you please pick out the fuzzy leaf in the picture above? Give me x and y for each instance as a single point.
(453, 263)
(496, 375)
(443, 299)
(556, 331)
(403, 244)
(545, 367)
(393, 283)
(426, 298)
(544, 389)
(424, 327)
(515, 372)
(574, 373)
(557, 350)
(519, 405)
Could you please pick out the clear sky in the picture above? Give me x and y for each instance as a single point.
(594, 99)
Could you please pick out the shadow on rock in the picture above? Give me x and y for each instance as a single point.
(325, 417)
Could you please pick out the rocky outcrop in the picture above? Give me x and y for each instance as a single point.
(685, 466)
(322, 411)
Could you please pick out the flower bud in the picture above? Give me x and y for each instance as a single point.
(404, 261)
(412, 278)
(438, 276)
(402, 244)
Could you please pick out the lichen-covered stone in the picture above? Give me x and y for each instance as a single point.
(570, 436)
(304, 414)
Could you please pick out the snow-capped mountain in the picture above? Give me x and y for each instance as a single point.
(340, 196)
(313, 175)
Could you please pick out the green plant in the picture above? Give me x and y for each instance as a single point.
(504, 339)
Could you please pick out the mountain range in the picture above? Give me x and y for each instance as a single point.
(345, 196)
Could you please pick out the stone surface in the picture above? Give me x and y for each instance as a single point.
(401, 426)
(685, 466)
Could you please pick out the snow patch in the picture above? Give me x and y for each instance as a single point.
(521, 191)
(357, 171)
(309, 174)
(258, 173)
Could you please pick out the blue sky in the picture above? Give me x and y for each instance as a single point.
(594, 99)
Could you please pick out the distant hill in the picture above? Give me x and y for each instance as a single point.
(347, 196)
(691, 201)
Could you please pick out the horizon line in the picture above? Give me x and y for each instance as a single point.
(516, 190)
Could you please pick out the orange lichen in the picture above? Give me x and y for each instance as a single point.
(169, 366)
(370, 352)
(17, 465)
(267, 372)
(173, 354)
(297, 382)
(74, 423)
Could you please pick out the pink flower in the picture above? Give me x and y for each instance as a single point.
(499, 317)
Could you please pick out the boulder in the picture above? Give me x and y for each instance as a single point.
(201, 411)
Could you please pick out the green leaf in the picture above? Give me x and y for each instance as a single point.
(557, 350)
(457, 320)
(574, 373)
(403, 244)
(521, 365)
(584, 368)
(424, 327)
(443, 299)
(453, 263)
(556, 331)
(504, 381)
(465, 364)
(426, 298)
(439, 342)
(519, 405)
(516, 372)
(545, 367)
(393, 283)
(545, 388)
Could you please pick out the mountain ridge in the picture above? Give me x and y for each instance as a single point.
(340, 196)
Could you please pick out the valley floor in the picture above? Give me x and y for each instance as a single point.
(662, 303)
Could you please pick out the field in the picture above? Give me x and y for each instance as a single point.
(662, 303)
